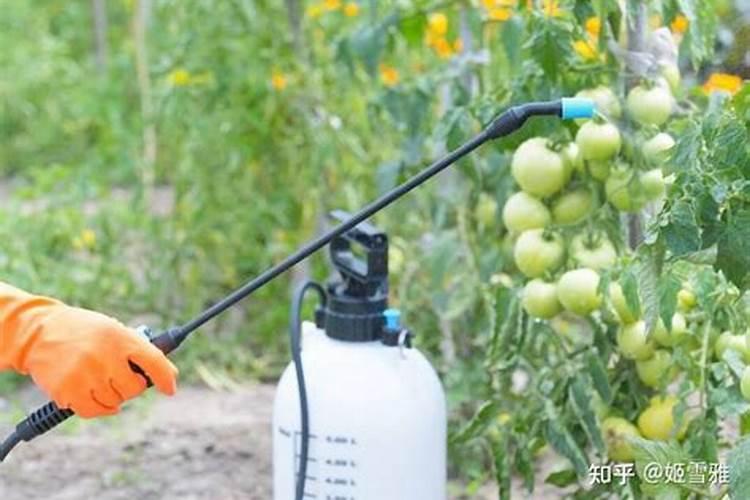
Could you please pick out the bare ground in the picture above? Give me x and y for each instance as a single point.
(199, 445)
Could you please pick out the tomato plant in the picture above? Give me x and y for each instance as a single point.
(559, 278)
(606, 282)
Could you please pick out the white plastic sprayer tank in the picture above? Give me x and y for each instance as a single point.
(377, 423)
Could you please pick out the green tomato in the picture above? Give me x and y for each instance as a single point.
(657, 420)
(486, 210)
(655, 370)
(605, 100)
(633, 341)
(540, 299)
(537, 169)
(573, 158)
(650, 106)
(598, 141)
(599, 169)
(658, 149)
(616, 432)
(737, 343)
(523, 212)
(652, 183)
(595, 252)
(745, 383)
(578, 291)
(620, 304)
(573, 206)
(620, 193)
(670, 338)
(686, 300)
(536, 253)
(671, 73)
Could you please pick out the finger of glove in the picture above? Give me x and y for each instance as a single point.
(90, 407)
(157, 367)
(107, 396)
(126, 382)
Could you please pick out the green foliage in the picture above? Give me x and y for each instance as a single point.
(254, 137)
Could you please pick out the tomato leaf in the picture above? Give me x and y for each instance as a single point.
(562, 478)
(598, 373)
(648, 270)
(562, 441)
(733, 251)
(649, 452)
(629, 285)
(579, 396)
(739, 469)
(501, 455)
(727, 402)
(682, 234)
(669, 285)
(476, 425)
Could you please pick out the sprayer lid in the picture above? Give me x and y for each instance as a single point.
(359, 295)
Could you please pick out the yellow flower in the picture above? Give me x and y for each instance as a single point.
(331, 5)
(458, 45)
(551, 8)
(593, 27)
(351, 9)
(499, 13)
(85, 241)
(722, 82)
(679, 25)
(314, 11)
(179, 77)
(491, 4)
(437, 24)
(278, 81)
(388, 75)
(443, 48)
(429, 38)
(654, 22)
(586, 49)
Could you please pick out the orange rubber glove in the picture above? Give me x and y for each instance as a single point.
(78, 357)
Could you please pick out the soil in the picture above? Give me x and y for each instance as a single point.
(201, 444)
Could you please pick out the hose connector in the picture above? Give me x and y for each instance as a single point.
(577, 107)
(515, 116)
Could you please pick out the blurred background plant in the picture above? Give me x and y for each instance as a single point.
(155, 155)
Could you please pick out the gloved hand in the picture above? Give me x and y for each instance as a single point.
(78, 357)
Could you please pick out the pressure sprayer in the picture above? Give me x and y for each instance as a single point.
(352, 317)
(376, 405)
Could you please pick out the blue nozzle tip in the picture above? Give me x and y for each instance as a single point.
(392, 319)
(577, 107)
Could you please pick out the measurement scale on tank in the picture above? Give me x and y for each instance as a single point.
(331, 465)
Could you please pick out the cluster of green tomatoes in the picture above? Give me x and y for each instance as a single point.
(564, 185)
(555, 221)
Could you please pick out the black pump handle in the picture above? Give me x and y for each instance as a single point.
(375, 243)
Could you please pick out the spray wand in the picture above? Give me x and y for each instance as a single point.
(50, 415)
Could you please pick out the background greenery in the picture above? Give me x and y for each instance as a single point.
(150, 170)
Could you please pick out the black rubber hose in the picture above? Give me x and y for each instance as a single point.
(11, 442)
(295, 341)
